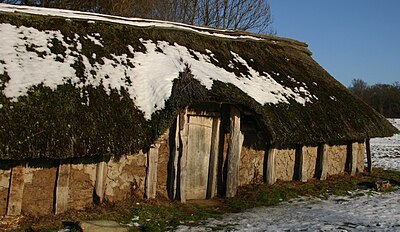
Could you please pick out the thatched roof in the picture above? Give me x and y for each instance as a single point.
(78, 84)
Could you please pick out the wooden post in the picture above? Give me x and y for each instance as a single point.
(62, 187)
(303, 162)
(323, 162)
(174, 161)
(183, 136)
(271, 175)
(100, 184)
(353, 158)
(235, 147)
(151, 175)
(369, 158)
(16, 190)
(213, 168)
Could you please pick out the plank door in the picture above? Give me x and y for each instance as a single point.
(198, 156)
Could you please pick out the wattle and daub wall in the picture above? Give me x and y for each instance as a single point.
(125, 177)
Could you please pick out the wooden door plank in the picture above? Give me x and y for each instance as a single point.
(213, 169)
(198, 156)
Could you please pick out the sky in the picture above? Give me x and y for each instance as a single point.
(351, 39)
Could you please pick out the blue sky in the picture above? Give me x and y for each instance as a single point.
(349, 38)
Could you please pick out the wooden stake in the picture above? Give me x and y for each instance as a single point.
(353, 158)
(62, 188)
(302, 167)
(369, 158)
(323, 162)
(213, 168)
(235, 147)
(100, 184)
(174, 159)
(271, 174)
(183, 136)
(151, 175)
(16, 190)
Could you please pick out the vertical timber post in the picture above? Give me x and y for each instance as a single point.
(62, 187)
(213, 169)
(353, 158)
(16, 190)
(151, 175)
(100, 184)
(369, 158)
(323, 162)
(235, 147)
(183, 137)
(270, 172)
(173, 174)
(176, 159)
(302, 167)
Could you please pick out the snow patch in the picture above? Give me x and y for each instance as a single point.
(29, 61)
(95, 40)
(360, 211)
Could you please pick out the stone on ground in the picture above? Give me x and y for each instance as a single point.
(102, 226)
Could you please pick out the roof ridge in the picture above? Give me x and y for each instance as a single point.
(141, 22)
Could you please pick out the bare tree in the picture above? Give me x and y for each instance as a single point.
(245, 15)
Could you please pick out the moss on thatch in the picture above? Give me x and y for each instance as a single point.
(72, 121)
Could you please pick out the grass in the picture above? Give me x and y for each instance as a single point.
(162, 214)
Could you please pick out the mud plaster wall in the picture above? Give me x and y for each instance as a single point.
(336, 156)
(360, 157)
(284, 164)
(4, 184)
(81, 185)
(162, 168)
(310, 154)
(126, 177)
(38, 191)
(251, 166)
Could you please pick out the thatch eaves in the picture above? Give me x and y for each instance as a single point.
(78, 84)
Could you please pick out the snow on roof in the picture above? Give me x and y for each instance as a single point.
(26, 56)
(138, 22)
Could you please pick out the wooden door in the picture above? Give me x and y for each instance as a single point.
(200, 130)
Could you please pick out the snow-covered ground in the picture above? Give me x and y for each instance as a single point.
(386, 151)
(359, 211)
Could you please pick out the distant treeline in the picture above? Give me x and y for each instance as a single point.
(385, 98)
